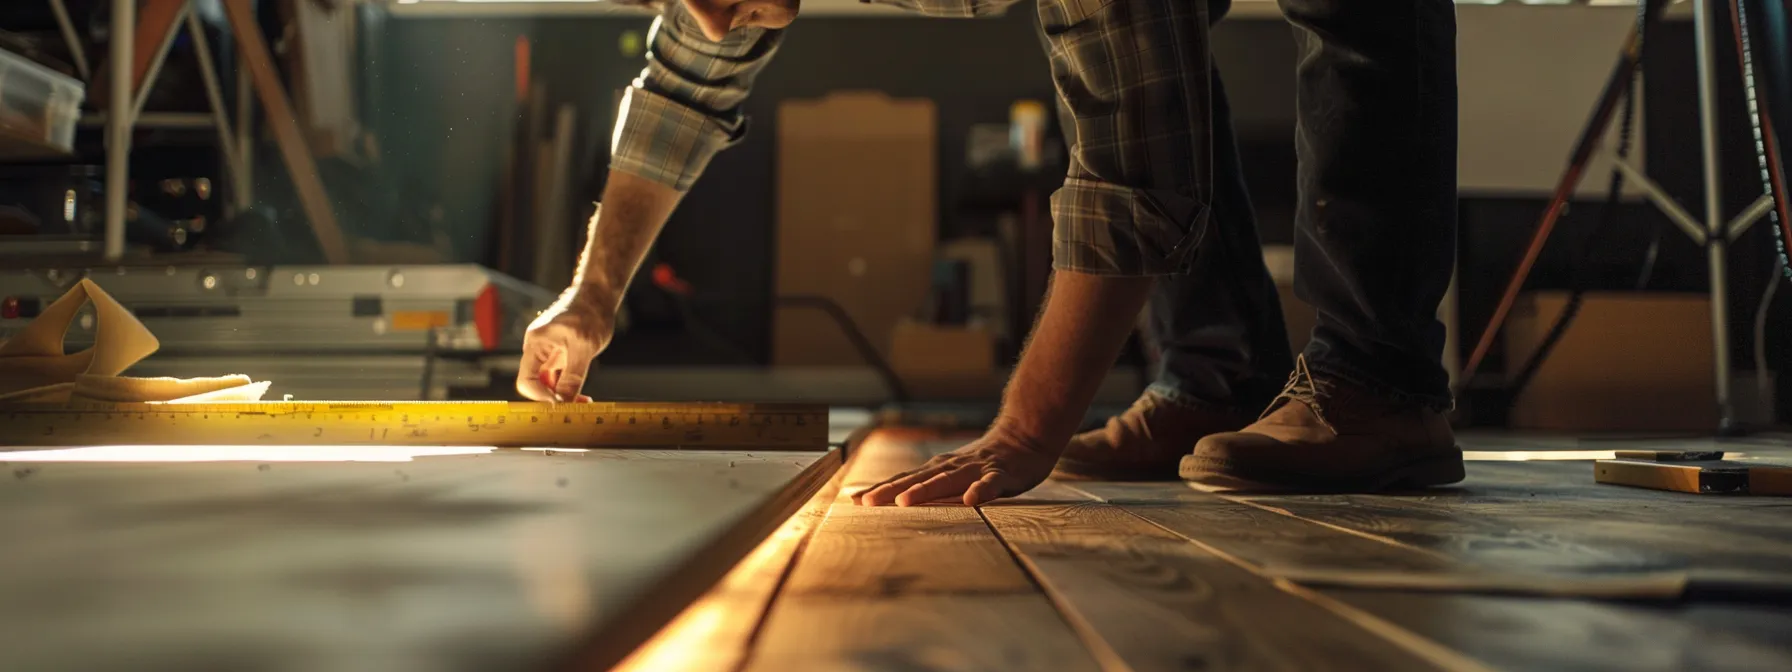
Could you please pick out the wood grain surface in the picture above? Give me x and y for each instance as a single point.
(716, 632)
(1552, 517)
(1157, 602)
(929, 587)
(509, 560)
(1544, 526)
(1529, 634)
(1263, 536)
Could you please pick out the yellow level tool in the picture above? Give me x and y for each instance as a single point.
(408, 423)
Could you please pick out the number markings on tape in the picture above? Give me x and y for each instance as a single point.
(502, 424)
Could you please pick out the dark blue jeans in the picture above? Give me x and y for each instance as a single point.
(1375, 226)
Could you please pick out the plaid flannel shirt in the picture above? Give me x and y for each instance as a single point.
(1132, 74)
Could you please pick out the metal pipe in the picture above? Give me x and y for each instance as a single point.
(76, 51)
(160, 59)
(214, 95)
(1747, 219)
(118, 125)
(1692, 227)
(1716, 240)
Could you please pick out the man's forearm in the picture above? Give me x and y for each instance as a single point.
(1086, 320)
(634, 210)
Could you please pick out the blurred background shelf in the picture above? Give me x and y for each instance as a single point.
(16, 147)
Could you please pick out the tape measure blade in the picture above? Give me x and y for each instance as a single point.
(502, 424)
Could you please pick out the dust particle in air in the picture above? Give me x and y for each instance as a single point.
(264, 467)
(24, 473)
(562, 482)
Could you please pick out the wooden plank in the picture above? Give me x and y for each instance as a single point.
(155, 21)
(1158, 602)
(1579, 527)
(1775, 481)
(1317, 553)
(1272, 540)
(1570, 636)
(1688, 478)
(910, 588)
(938, 633)
(716, 632)
(1367, 541)
(294, 150)
(1521, 516)
(1504, 632)
(689, 576)
(1571, 483)
(1728, 477)
(502, 561)
(867, 552)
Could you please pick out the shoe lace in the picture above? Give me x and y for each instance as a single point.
(1138, 418)
(1304, 389)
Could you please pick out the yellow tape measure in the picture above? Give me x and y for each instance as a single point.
(442, 423)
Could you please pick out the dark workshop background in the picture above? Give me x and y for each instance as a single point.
(438, 91)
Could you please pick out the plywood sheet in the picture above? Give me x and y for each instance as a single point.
(499, 561)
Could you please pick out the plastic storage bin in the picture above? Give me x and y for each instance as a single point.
(39, 108)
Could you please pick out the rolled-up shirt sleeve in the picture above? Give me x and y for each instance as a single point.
(955, 9)
(686, 105)
(1133, 76)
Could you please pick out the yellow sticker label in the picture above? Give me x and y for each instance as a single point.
(419, 320)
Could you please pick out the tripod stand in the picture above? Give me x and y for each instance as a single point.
(1713, 232)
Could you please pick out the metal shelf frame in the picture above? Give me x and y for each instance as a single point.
(1712, 229)
(125, 107)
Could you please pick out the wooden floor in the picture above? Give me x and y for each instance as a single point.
(515, 560)
(1525, 566)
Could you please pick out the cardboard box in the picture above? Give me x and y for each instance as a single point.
(857, 219)
(1630, 361)
(945, 362)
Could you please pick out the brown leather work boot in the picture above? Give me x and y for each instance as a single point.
(1332, 436)
(1145, 443)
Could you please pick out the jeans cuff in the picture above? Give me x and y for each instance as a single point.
(1374, 385)
(1180, 397)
